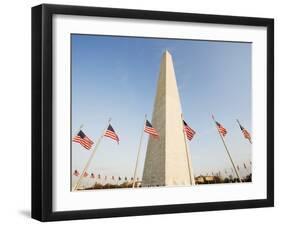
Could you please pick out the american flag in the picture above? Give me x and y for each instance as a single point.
(245, 132)
(150, 130)
(221, 129)
(188, 131)
(82, 139)
(76, 173)
(85, 174)
(111, 133)
(92, 175)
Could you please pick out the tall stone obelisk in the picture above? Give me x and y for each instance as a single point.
(167, 160)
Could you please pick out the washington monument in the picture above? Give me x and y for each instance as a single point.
(167, 159)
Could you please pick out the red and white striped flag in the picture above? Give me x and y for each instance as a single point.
(150, 130)
(246, 134)
(111, 134)
(82, 139)
(221, 129)
(76, 173)
(188, 131)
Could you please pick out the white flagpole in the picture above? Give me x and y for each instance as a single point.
(191, 177)
(93, 182)
(90, 159)
(139, 149)
(227, 151)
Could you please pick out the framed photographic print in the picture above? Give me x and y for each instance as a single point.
(146, 112)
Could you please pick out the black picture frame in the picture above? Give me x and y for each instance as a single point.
(42, 111)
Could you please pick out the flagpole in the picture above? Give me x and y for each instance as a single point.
(250, 162)
(246, 168)
(191, 177)
(227, 151)
(139, 149)
(81, 126)
(93, 182)
(232, 176)
(90, 159)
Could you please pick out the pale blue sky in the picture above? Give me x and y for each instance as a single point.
(117, 77)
